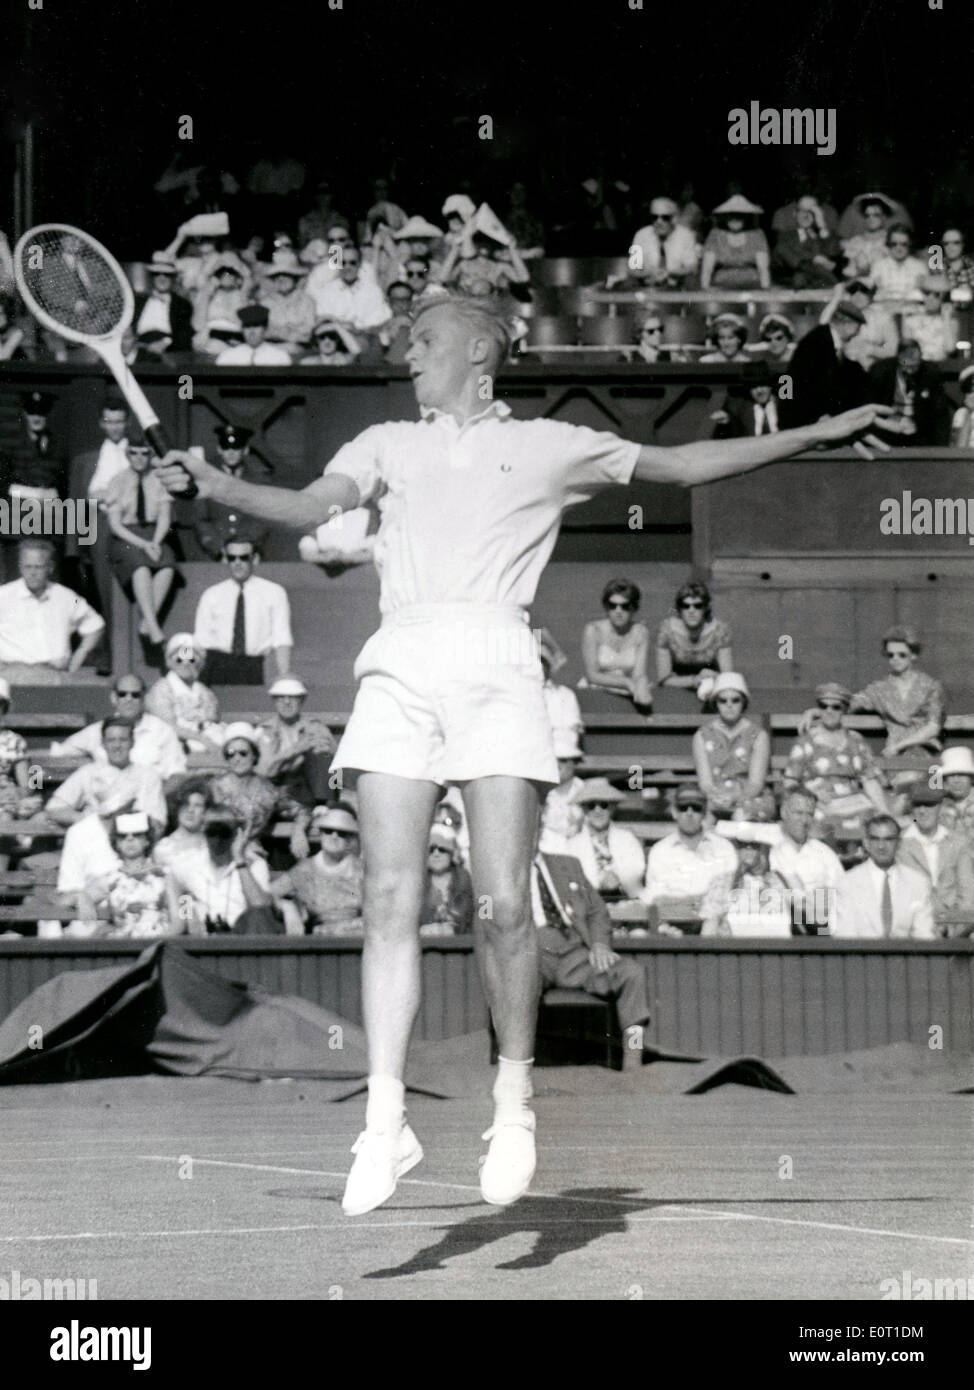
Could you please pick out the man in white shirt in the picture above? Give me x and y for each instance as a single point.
(92, 795)
(451, 692)
(112, 457)
(689, 872)
(668, 254)
(611, 856)
(253, 351)
(156, 743)
(881, 898)
(811, 870)
(352, 298)
(38, 619)
(897, 275)
(242, 619)
(211, 889)
(943, 856)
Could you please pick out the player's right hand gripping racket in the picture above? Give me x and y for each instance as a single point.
(76, 288)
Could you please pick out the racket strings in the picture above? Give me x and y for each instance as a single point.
(72, 284)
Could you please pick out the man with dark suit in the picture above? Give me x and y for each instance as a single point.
(750, 417)
(826, 382)
(913, 388)
(882, 898)
(574, 930)
(213, 523)
(161, 310)
(33, 466)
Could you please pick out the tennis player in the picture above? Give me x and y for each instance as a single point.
(450, 687)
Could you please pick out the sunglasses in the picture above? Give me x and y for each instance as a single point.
(333, 830)
(129, 694)
(239, 753)
(691, 603)
(652, 328)
(730, 699)
(830, 704)
(415, 274)
(439, 849)
(235, 555)
(694, 810)
(619, 603)
(598, 805)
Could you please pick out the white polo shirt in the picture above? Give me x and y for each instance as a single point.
(267, 610)
(217, 892)
(155, 745)
(37, 629)
(471, 513)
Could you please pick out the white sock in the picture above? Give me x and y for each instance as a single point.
(386, 1108)
(512, 1087)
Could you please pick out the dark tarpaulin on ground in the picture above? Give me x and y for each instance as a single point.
(168, 1013)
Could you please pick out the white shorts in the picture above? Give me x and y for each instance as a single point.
(449, 692)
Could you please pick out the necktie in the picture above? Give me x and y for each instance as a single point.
(140, 515)
(238, 645)
(551, 913)
(760, 420)
(886, 907)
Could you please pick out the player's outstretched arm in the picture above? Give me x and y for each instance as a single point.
(304, 509)
(710, 459)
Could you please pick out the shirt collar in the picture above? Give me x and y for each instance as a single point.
(498, 409)
(39, 598)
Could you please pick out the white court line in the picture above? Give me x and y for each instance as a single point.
(836, 1226)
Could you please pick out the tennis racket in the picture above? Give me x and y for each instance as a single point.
(75, 287)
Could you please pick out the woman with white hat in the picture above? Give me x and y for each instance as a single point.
(736, 252)
(296, 749)
(934, 326)
(730, 333)
(957, 770)
(131, 900)
(241, 788)
(612, 857)
(561, 815)
(962, 424)
(181, 698)
(448, 901)
(731, 753)
(758, 901)
(834, 764)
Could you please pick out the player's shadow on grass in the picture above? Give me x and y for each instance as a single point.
(565, 1223)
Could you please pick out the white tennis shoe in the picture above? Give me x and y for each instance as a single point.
(507, 1170)
(381, 1158)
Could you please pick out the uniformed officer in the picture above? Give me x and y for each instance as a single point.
(214, 523)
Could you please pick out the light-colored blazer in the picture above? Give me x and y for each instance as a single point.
(628, 858)
(858, 905)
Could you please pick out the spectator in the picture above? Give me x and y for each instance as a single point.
(12, 342)
(458, 211)
(213, 523)
(140, 516)
(758, 902)
(688, 872)
(958, 266)
(863, 231)
(291, 310)
(253, 351)
(944, 857)
(834, 764)
(319, 220)
(242, 619)
(38, 620)
(909, 702)
(812, 871)
(486, 259)
(448, 900)
(526, 229)
(957, 770)
(806, 256)
(730, 332)
(92, 471)
(882, 898)
(615, 649)
(34, 463)
(785, 219)
(777, 335)
(826, 381)
(17, 799)
(897, 275)
(415, 238)
(329, 256)
(963, 417)
(384, 212)
(323, 893)
(336, 347)
(86, 802)
(731, 753)
(296, 749)
(561, 702)
(736, 252)
(666, 253)
(878, 337)
(416, 274)
(649, 340)
(352, 298)
(855, 217)
(190, 802)
(223, 292)
(574, 932)
(935, 326)
(758, 415)
(154, 744)
(913, 388)
(611, 856)
(131, 899)
(224, 886)
(692, 646)
(162, 310)
(251, 797)
(394, 337)
(562, 816)
(182, 700)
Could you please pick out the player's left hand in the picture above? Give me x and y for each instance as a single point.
(854, 425)
(602, 958)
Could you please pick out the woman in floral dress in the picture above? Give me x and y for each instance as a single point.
(131, 900)
(834, 763)
(732, 753)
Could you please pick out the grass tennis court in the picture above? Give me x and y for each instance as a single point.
(636, 1196)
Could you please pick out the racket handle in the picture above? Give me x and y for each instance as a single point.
(156, 436)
